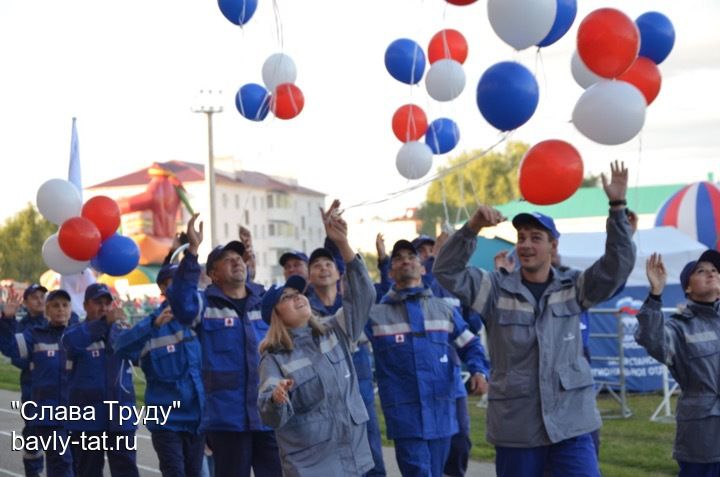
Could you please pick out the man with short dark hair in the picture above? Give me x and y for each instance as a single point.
(226, 316)
(541, 401)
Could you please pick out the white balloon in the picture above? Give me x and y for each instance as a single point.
(56, 259)
(279, 68)
(581, 73)
(58, 200)
(414, 160)
(610, 112)
(445, 80)
(522, 23)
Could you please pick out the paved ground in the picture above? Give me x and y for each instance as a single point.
(11, 462)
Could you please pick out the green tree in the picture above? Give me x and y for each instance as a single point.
(593, 180)
(21, 240)
(490, 179)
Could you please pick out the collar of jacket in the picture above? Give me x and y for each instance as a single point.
(254, 296)
(512, 282)
(699, 310)
(398, 295)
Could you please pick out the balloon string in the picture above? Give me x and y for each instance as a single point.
(278, 25)
(434, 177)
(444, 199)
(539, 57)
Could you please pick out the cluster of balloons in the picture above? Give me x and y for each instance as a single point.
(617, 62)
(445, 80)
(279, 95)
(87, 234)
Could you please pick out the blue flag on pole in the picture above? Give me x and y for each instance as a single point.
(74, 175)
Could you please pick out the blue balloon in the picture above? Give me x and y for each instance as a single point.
(405, 61)
(442, 135)
(118, 256)
(507, 95)
(657, 36)
(564, 18)
(253, 101)
(238, 12)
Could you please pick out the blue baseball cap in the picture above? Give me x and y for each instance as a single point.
(321, 252)
(292, 254)
(422, 240)
(165, 272)
(32, 289)
(272, 296)
(97, 290)
(217, 253)
(402, 245)
(536, 219)
(711, 256)
(60, 293)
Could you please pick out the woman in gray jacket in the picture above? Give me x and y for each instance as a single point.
(308, 386)
(689, 344)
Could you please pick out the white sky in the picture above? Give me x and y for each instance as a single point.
(129, 72)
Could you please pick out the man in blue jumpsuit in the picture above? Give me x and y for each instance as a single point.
(416, 340)
(226, 317)
(97, 374)
(170, 358)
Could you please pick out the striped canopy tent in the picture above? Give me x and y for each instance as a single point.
(141, 275)
(694, 210)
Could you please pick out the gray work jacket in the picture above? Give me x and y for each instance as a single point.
(322, 430)
(541, 385)
(689, 344)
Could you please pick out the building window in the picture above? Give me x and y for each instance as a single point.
(262, 232)
(254, 203)
(264, 256)
(247, 217)
(255, 234)
(237, 201)
(270, 202)
(271, 230)
(224, 200)
(304, 245)
(227, 229)
(302, 222)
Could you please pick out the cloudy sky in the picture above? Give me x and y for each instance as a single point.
(130, 72)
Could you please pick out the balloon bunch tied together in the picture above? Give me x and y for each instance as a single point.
(445, 80)
(87, 234)
(617, 62)
(280, 94)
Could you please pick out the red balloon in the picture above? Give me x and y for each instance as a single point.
(550, 172)
(608, 42)
(449, 44)
(461, 2)
(104, 213)
(287, 102)
(644, 74)
(79, 238)
(409, 123)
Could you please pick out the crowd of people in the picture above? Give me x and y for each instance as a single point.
(281, 381)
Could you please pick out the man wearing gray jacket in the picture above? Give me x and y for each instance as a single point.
(541, 403)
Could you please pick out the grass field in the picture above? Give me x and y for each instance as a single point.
(630, 447)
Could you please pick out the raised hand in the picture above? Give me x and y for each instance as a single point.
(333, 210)
(280, 393)
(164, 317)
(12, 303)
(616, 188)
(657, 276)
(195, 237)
(485, 216)
(380, 246)
(116, 314)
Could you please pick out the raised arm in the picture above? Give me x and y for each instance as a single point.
(471, 285)
(183, 295)
(359, 293)
(652, 333)
(609, 272)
